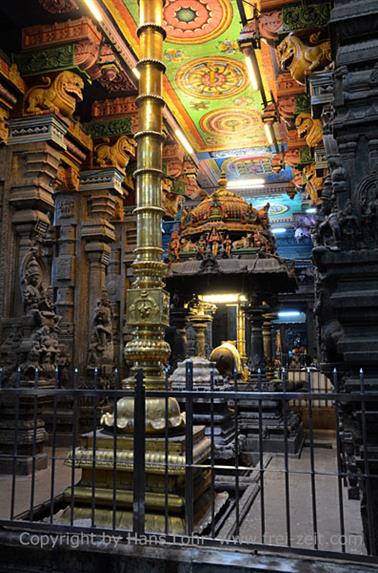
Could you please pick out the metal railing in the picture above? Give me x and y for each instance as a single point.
(275, 498)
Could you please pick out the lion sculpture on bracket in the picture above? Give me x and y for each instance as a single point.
(301, 59)
(59, 95)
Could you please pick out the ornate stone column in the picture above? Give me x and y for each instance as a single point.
(241, 340)
(178, 320)
(30, 340)
(200, 315)
(100, 188)
(267, 333)
(255, 314)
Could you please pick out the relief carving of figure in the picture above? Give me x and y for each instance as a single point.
(33, 290)
(174, 247)
(350, 228)
(328, 231)
(301, 59)
(101, 348)
(59, 95)
(59, 6)
(40, 348)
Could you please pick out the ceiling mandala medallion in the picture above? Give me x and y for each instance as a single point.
(231, 122)
(213, 77)
(196, 21)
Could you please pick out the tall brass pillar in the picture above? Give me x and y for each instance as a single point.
(148, 314)
(148, 302)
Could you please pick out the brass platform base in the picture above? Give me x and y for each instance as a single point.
(164, 483)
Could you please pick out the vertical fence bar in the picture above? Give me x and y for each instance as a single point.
(34, 446)
(115, 436)
(312, 459)
(237, 481)
(53, 447)
(139, 454)
(15, 443)
(368, 495)
(212, 460)
(166, 455)
(261, 459)
(189, 450)
(74, 440)
(286, 457)
(94, 443)
(339, 463)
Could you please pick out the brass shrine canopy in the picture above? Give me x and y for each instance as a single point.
(222, 225)
(224, 210)
(227, 239)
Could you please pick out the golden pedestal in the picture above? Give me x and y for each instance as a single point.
(163, 487)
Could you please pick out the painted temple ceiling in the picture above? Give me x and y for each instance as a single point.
(207, 84)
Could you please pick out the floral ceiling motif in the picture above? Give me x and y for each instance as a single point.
(210, 96)
(198, 20)
(212, 77)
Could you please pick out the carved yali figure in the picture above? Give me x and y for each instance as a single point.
(309, 129)
(117, 155)
(59, 95)
(301, 59)
(313, 183)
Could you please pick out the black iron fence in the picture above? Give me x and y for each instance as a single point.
(241, 468)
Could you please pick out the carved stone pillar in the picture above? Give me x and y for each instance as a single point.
(267, 333)
(255, 314)
(179, 345)
(30, 337)
(200, 315)
(241, 340)
(346, 252)
(101, 189)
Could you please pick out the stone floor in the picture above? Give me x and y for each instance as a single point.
(327, 504)
(42, 491)
(301, 511)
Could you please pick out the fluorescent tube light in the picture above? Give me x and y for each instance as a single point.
(94, 9)
(246, 184)
(185, 143)
(252, 73)
(288, 313)
(269, 132)
(136, 73)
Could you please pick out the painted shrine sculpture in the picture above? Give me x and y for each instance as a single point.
(222, 225)
(59, 95)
